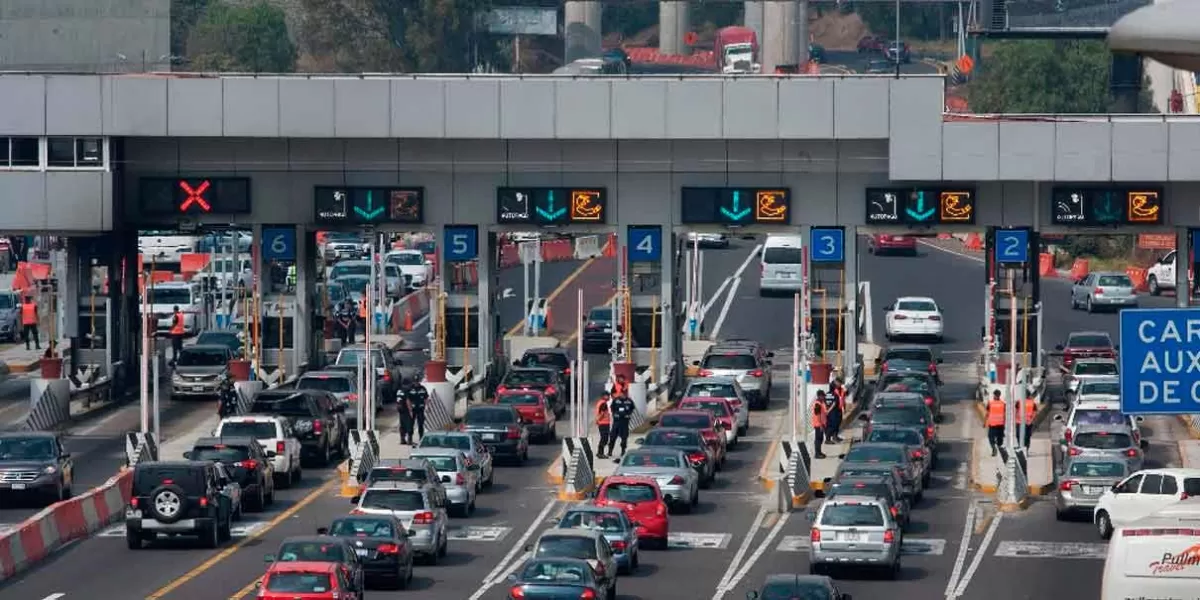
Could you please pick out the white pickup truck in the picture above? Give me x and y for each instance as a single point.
(1161, 275)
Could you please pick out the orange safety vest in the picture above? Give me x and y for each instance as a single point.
(362, 310)
(619, 389)
(177, 323)
(819, 414)
(840, 394)
(1031, 409)
(29, 313)
(603, 417)
(995, 413)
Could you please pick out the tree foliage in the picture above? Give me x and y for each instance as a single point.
(1043, 76)
(917, 21)
(184, 15)
(251, 38)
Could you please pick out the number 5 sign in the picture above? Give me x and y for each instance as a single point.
(278, 243)
(460, 242)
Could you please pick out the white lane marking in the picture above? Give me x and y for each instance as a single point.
(472, 533)
(737, 281)
(1081, 550)
(979, 554)
(685, 540)
(742, 549)
(55, 596)
(963, 548)
(497, 574)
(89, 430)
(977, 259)
(716, 296)
(909, 547)
(758, 552)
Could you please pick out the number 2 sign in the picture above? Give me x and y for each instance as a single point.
(1012, 246)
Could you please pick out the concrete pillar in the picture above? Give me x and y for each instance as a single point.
(671, 345)
(850, 299)
(754, 17)
(674, 22)
(487, 296)
(582, 29)
(801, 23)
(304, 337)
(785, 35)
(1183, 245)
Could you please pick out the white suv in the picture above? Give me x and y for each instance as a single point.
(1143, 494)
(1161, 275)
(1096, 413)
(275, 435)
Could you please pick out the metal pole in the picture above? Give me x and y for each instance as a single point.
(145, 378)
(157, 392)
(537, 283)
(525, 288)
(805, 338)
(898, 47)
(1010, 429)
(576, 379)
(795, 370)
(584, 385)
(1037, 356)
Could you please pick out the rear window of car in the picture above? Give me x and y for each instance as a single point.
(918, 354)
(519, 399)
(1103, 440)
(1109, 388)
(458, 442)
(1097, 469)
(562, 546)
(1115, 281)
(650, 459)
(671, 438)
(880, 490)
(396, 500)
(354, 356)
(191, 357)
(629, 492)
(880, 454)
(600, 314)
(852, 515)
(714, 390)
(536, 377)
(146, 478)
(311, 551)
(780, 255)
(906, 384)
(918, 305)
(548, 359)
(1099, 417)
(717, 408)
(255, 429)
(687, 421)
(335, 385)
(397, 474)
(299, 583)
(443, 463)
(290, 406)
(898, 414)
(587, 519)
(896, 436)
(732, 362)
(1191, 486)
(1089, 341)
(1086, 368)
(489, 416)
(222, 453)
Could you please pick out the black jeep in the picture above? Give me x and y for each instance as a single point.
(178, 498)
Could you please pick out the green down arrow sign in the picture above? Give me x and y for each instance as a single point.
(736, 213)
(369, 213)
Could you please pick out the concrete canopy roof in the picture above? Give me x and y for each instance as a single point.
(1168, 32)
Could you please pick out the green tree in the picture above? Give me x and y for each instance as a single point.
(184, 15)
(919, 21)
(1043, 76)
(251, 38)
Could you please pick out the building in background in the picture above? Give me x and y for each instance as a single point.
(85, 35)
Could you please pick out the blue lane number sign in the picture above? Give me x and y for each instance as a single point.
(1012, 246)
(1160, 361)
(644, 243)
(828, 245)
(278, 243)
(461, 242)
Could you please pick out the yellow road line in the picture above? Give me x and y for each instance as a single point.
(554, 294)
(226, 553)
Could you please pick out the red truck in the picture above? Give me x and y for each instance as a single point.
(736, 50)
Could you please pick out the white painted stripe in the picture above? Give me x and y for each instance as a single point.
(499, 572)
(978, 259)
(741, 551)
(1077, 550)
(964, 546)
(716, 330)
(685, 540)
(979, 554)
(54, 596)
(762, 548)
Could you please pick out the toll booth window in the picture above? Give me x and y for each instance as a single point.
(7, 301)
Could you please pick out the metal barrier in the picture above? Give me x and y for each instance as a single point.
(140, 447)
(364, 453)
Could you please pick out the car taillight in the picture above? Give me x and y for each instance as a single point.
(514, 432)
(696, 457)
(928, 400)
(706, 372)
(203, 502)
(889, 536)
(895, 511)
(459, 479)
(352, 397)
(550, 390)
(1132, 452)
(899, 317)
(587, 594)
(918, 454)
(618, 545)
(567, 371)
(280, 447)
(1067, 436)
(247, 464)
(677, 480)
(1183, 496)
(1067, 485)
(133, 502)
(388, 549)
(501, 389)
(423, 518)
(317, 426)
(1098, 291)
(756, 373)
(387, 375)
(934, 318)
(933, 367)
(660, 510)
(814, 535)
(883, 367)
(929, 432)
(1074, 451)
(517, 592)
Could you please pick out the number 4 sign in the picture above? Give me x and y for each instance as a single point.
(460, 243)
(644, 243)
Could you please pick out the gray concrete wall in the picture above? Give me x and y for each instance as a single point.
(56, 201)
(85, 35)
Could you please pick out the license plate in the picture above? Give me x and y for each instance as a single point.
(786, 275)
(850, 537)
(491, 436)
(1091, 490)
(197, 388)
(362, 552)
(18, 486)
(133, 513)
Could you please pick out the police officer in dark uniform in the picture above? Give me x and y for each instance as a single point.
(404, 408)
(622, 412)
(833, 415)
(417, 395)
(345, 321)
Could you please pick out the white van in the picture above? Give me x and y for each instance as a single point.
(782, 263)
(1156, 556)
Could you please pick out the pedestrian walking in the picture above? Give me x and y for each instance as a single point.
(404, 407)
(996, 410)
(29, 322)
(1031, 409)
(603, 423)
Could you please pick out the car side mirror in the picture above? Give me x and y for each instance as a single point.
(640, 441)
(842, 456)
(354, 499)
(269, 558)
(940, 360)
(636, 523)
(272, 454)
(1116, 488)
(1139, 419)
(1059, 418)
(512, 577)
(890, 307)
(516, 363)
(445, 479)
(188, 455)
(322, 531)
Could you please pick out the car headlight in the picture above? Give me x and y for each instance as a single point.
(50, 470)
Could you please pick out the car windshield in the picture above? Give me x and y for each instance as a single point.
(555, 572)
(488, 416)
(178, 296)
(518, 399)
(191, 357)
(600, 314)
(1089, 341)
(1097, 469)
(343, 269)
(1095, 368)
(395, 500)
(392, 271)
(458, 442)
(716, 407)
(730, 362)
(221, 453)
(443, 463)
(780, 255)
(291, 406)
(546, 359)
(299, 583)
(362, 528)
(802, 590)
(714, 390)
(352, 356)
(1114, 281)
(397, 474)
(566, 546)
(31, 448)
(663, 437)
(896, 436)
(7, 301)
(650, 459)
(852, 515)
(1099, 417)
(217, 339)
(879, 454)
(917, 305)
(355, 283)
(406, 258)
(310, 552)
(528, 377)
(685, 420)
(326, 383)
(898, 414)
(1103, 440)
(255, 429)
(916, 354)
(1110, 388)
(594, 520)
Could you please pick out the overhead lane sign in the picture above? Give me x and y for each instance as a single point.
(1160, 361)
(920, 206)
(551, 206)
(1087, 206)
(735, 206)
(161, 196)
(369, 205)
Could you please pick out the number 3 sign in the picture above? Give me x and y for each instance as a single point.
(279, 243)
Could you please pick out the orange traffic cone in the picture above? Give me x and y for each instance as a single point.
(610, 246)
(408, 322)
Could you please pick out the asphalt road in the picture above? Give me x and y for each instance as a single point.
(855, 62)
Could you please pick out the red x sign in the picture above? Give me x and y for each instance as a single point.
(194, 196)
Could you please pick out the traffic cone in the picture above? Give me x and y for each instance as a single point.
(408, 322)
(610, 246)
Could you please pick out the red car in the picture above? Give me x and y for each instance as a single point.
(872, 43)
(702, 421)
(305, 581)
(534, 407)
(722, 409)
(1086, 344)
(641, 500)
(898, 244)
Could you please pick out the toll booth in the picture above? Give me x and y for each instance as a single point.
(461, 325)
(1024, 328)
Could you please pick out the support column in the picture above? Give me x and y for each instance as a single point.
(487, 297)
(1183, 264)
(801, 25)
(674, 22)
(69, 290)
(672, 342)
(850, 298)
(779, 42)
(582, 29)
(754, 17)
(303, 333)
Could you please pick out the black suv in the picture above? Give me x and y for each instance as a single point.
(246, 462)
(318, 420)
(35, 462)
(178, 498)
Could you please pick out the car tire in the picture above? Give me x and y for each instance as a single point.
(297, 473)
(1087, 305)
(894, 571)
(445, 547)
(258, 503)
(210, 536)
(270, 499)
(1060, 514)
(168, 503)
(326, 455)
(133, 540)
(1104, 525)
(487, 483)
(225, 531)
(1152, 284)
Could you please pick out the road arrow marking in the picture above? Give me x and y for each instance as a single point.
(370, 213)
(508, 293)
(549, 213)
(737, 213)
(920, 213)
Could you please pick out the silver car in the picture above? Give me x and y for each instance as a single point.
(1083, 479)
(460, 482)
(678, 481)
(1099, 389)
(584, 544)
(856, 531)
(1107, 289)
(884, 453)
(200, 371)
(723, 387)
(747, 364)
(471, 445)
(616, 526)
(418, 507)
(1087, 369)
(343, 385)
(10, 316)
(1116, 442)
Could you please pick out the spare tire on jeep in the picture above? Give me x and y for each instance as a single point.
(168, 503)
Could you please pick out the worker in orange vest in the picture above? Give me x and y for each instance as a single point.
(996, 409)
(1031, 409)
(820, 422)
(603, 424)
(177, 332)
(620, 387)
(29, 322)
(362, 314)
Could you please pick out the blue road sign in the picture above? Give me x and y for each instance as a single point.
(1012, 245)
(278, 243)
(644, 243)
(828, 245)
(460, 242)
(1160, 361)
(1195, 245)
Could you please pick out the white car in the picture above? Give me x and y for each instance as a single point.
(1096, 412)
(1153, 557)
(708, 240)
(1099, 389)
(1161, 275)
(1086, 369)
(412, 263)
(276, 436)
(1141, 495)
(914, 316)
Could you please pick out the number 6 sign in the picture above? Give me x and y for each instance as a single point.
(279, 243)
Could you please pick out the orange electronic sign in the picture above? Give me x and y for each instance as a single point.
(586, 205)
(956, 206)
(771, 206)
(1144, 206)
